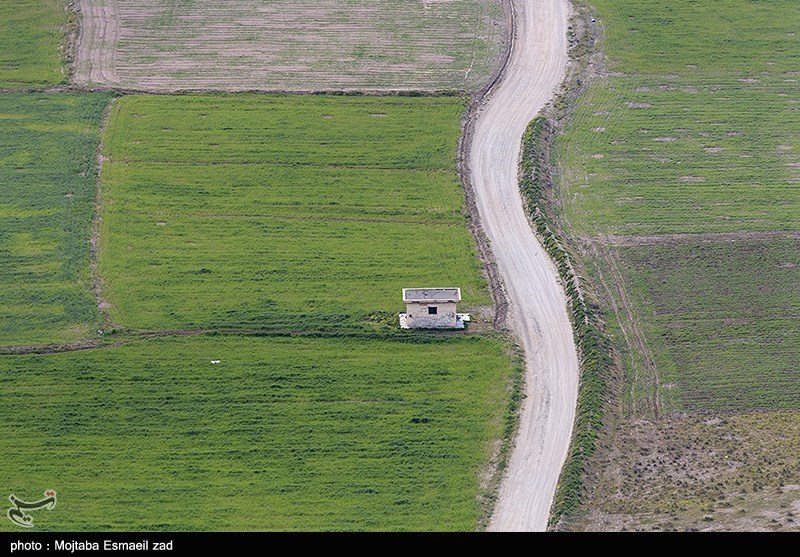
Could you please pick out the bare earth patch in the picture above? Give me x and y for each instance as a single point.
(289, 45)
(700, 472)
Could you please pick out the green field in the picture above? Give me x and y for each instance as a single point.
(679, 175)
(281, 434)
(47, 167)
(696, 156)
(700, 39)
(728, 338)
(31, 36)
(242, 212)
(693, 133)
(277, 212)
(274, 213)
(696, 132)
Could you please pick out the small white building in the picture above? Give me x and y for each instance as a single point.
(432, 308)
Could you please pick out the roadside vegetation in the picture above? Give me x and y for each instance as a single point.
(677, 177)
(594, 351)
(32, 43)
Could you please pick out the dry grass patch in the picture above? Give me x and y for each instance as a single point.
(700, 472)
(289, 44)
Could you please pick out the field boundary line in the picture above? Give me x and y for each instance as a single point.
(127, 337)
(388, 92)
(69, 43)
(632, 240)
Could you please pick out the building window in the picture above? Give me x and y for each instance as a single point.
(433, 310)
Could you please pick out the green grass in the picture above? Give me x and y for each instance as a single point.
(47, 167)
(696, 38)
(701, 156)
(699, 128)
(726, 320)
(282, 434)
(280, 212)
(31, 34)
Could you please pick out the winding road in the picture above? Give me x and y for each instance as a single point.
(537, 303)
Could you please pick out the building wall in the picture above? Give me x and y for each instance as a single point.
(419, 317)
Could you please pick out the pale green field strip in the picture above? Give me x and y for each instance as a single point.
(691, 38)
(648, 155)
(282, 213)
(289, 45)
(698, 127)
(48, 144)
(31, 35)
(281, 434)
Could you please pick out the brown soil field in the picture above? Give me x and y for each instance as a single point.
(698, 472)
(289, 45)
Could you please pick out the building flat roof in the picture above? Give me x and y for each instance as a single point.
(433, 295)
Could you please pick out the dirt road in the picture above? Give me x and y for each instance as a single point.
(538, 311)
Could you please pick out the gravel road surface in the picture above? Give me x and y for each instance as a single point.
(537, 303)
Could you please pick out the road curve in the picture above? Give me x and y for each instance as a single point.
(537, 303)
